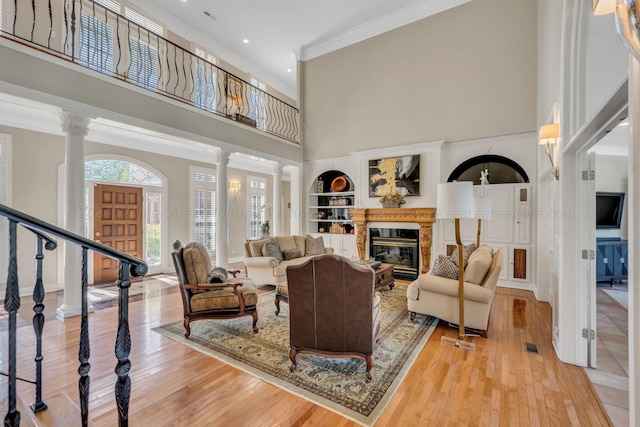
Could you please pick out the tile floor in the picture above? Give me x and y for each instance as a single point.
(611, 377)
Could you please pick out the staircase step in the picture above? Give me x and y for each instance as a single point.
(61, 411)
(24, 410)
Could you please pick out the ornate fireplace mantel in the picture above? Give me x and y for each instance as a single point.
(424, 217)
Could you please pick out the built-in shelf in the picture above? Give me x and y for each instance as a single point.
(327, 201)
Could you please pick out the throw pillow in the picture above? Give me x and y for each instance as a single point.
(272, 249)
(217, 275)
(197, 263)
(466, 253)
(444, 267)
(291, 254)
(313, 246)
(478, 265)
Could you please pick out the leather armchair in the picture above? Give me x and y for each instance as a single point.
(334, 309)
(202, 300)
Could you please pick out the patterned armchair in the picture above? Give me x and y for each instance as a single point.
(334, 309)
(203, 300)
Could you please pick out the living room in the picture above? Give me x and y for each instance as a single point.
(445, 92)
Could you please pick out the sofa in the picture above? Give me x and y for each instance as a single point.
(438, 296)
(265, 269)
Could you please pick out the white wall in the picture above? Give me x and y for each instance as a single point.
(607, 62)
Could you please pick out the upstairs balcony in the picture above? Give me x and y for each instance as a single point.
(94, 35)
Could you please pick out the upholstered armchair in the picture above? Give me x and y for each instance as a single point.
(334, 310)
(203, 300)
(438, 296)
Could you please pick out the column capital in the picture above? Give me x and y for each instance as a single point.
(73, 123)
(277, 168)
(222, 156)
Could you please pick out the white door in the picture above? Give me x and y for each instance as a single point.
(499, 227)
(588, 219)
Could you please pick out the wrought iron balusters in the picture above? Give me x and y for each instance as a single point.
(123, 346)
(11, 305)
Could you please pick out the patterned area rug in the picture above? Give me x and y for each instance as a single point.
(336, 384)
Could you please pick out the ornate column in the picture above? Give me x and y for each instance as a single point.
(76, 127)
(277, 199)
(222, 220)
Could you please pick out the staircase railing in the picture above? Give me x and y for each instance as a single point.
(94, 36)
(128, 265)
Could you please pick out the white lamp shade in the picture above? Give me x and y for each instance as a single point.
(548, 133)
(603, 7)
(482, 208)
(455, 200)
(235, 186)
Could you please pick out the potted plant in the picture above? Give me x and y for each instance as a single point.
(392, 200)
(265, 228)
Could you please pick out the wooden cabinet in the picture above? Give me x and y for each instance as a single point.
(342, 244)
(611, 260)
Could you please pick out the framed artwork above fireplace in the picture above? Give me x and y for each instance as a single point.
(395, 175)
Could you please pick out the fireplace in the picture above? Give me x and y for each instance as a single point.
(398, 247)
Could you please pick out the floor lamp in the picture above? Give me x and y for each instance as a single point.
(455, 200)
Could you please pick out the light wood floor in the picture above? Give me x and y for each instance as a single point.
(498, 384)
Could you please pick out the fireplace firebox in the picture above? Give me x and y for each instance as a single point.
(398, 247)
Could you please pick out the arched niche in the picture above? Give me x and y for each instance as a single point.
(502, 170)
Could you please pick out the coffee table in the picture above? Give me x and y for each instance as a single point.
(384, 276)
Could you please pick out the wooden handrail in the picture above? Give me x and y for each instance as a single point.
(138, 267)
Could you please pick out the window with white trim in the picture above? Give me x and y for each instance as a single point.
(203, 207)
(258, 209)
(258, 103)
(205, 84)
(143, 69)
(143, 21)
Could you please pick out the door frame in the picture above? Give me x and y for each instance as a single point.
(575, 154)
(164, 228)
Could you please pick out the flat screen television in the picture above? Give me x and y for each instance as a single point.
(609, 209)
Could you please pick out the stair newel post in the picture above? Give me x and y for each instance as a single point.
(84, 351)
(38, 325)
(11, 305)
(123, 347)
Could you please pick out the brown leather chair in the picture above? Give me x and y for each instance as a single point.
(202, 300)
(334, 309)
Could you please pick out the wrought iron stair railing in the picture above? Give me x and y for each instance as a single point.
(128, 265)
(94, 36)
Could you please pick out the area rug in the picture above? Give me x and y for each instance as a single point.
(337, 384)
(621, 297)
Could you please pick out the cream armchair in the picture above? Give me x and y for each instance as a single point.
(438, 297)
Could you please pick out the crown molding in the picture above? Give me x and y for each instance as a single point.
(398, 18)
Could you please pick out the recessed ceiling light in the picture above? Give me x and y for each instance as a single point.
(288, 70)
(245, 41)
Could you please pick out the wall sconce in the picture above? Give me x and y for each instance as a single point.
(548, 135)
(235, 187)
(603, 7)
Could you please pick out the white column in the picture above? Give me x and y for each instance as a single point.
(296, 205)
(75, 126)
(222, 219)
(277, 199)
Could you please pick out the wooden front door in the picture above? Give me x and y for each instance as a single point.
(118, 224)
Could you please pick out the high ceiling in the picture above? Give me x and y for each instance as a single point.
(280, 31)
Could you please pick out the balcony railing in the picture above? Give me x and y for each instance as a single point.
(96, 37)
(128, 265)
